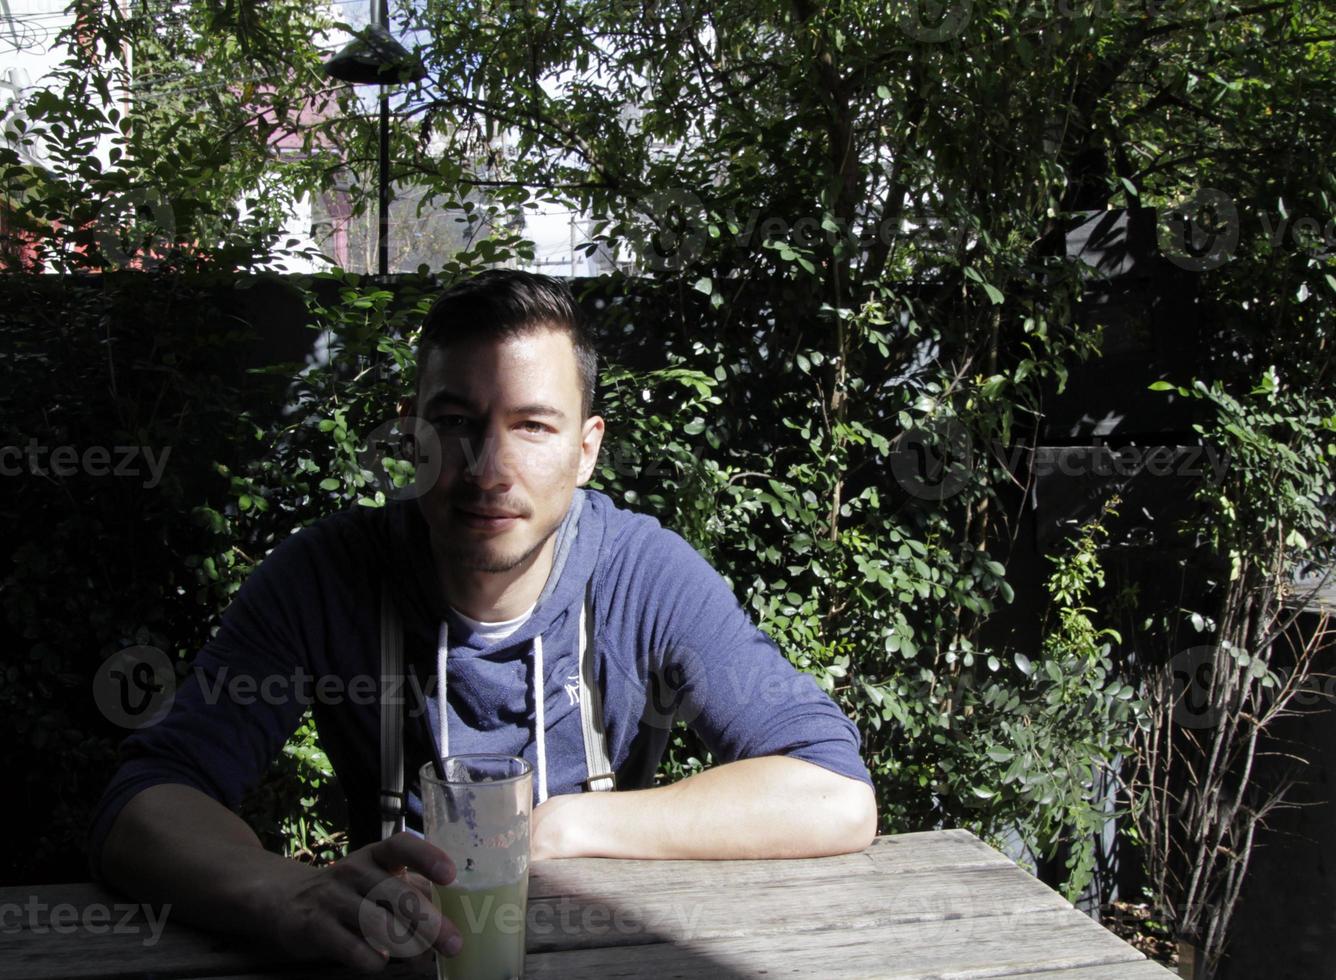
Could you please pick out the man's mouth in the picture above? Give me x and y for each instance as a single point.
(487, 519)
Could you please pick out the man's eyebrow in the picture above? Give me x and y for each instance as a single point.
(444, 397)
(549, 411)
(541, 409)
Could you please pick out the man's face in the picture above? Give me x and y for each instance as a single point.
(514, 446)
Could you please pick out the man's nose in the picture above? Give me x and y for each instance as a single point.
(489, 460)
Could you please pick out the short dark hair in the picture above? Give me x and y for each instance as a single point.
(502, 303)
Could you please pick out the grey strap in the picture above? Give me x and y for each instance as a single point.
(392, 802)
(601, 777)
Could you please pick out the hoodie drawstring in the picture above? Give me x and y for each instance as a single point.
(442, 655)
(539, 722)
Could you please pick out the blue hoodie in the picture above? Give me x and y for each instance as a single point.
(671, 643)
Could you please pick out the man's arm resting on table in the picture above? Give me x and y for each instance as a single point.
(172, 844)
(767, 807)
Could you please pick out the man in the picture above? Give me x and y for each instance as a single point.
(493, 569)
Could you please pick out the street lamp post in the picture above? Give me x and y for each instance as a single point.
(374, 57)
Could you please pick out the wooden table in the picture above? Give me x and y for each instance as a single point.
(939, 904)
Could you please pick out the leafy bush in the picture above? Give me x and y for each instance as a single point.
(104, 555)
(1209, 767)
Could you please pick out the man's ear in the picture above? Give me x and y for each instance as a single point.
(406, 406)
(591, 438)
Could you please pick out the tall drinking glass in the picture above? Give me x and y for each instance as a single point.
(479, 815)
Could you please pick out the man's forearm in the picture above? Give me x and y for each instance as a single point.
(769, 807)
(172, 843)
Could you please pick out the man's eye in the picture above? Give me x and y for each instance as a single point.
(449, 421)
(530, 425)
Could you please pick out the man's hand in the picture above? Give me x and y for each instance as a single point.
(549, 823)
(173, 844)
(371, 905)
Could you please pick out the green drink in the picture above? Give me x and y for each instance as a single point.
(491, 922)
(477, 810)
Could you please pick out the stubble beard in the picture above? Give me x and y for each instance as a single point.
(479, 557)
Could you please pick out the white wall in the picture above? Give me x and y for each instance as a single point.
(28, 48)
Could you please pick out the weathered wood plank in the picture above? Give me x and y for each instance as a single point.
(940, 851)
(77, 893)
(178, 952)
(85, 930)
(1131, 970)
(424, 969)
(1013, 946)
(1145, 970)
(931, 849)
(617, 915)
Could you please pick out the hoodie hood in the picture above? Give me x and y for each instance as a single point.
(407, 561)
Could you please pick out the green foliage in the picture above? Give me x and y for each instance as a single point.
(152, 146)
(958, 732)
(1063, 727)
(1280, 446)
(298, 809)
(1200, 790)
(92, 365)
